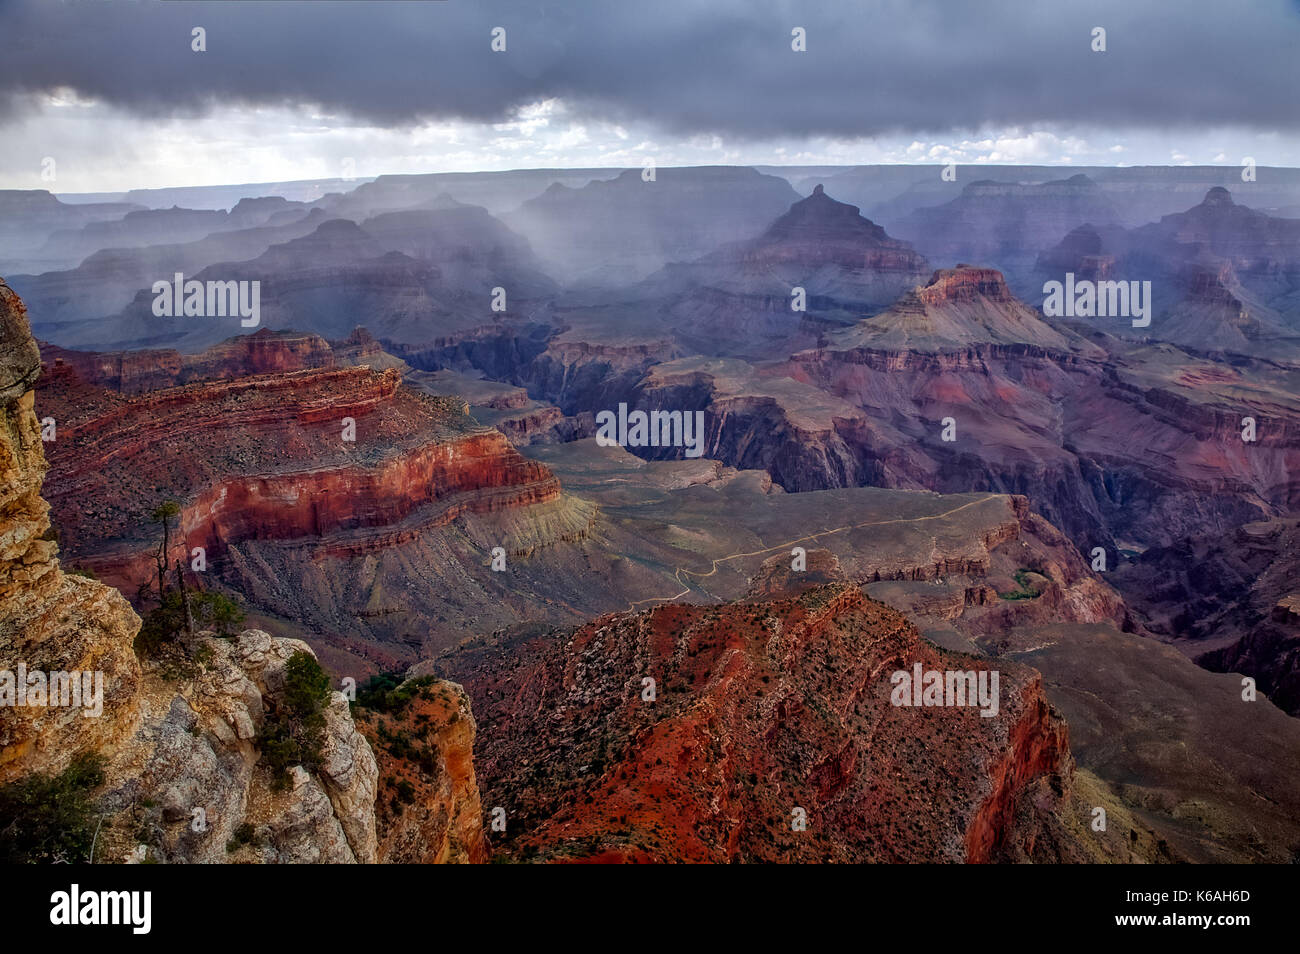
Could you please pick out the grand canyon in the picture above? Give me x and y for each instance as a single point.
(624, 512)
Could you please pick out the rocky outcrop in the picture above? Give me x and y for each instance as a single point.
(738, 299)
(819, 231)
(190, 786)
(778, 579)
(1082, 252)
(361, 347)
(1110, 441)
(534, 424)
(184, 775)
(428, 807)
(138, 372)
(317, 494)
(205, 444)
(1071, 428)
(691, 733)
(959, 307)
(50, 622)
(1223, 277)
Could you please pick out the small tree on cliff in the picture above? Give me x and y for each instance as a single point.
(187, 612)
(164, 513)
(180, 609)
(293, 732)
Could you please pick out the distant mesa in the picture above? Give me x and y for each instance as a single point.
(958, 307)
(1217, 196)
(738, 299)
(1224, 277)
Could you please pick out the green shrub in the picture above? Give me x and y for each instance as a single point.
(161, 626)
(1024, 586)
(245, 834)
(294, 730)
(216, 612)
(45, 820)
(388, 693)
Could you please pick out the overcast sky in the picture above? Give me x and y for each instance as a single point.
(289, 89)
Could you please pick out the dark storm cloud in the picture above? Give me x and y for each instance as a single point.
(721, 66)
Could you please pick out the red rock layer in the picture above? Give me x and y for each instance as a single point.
(134, 372)
(264, 457)
(316, 502)
(965, 283)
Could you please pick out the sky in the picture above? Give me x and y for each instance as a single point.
(107, 95)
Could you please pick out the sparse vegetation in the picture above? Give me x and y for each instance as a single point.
(245, 834)
(1026, 588)
(390, 694)
(208, 610)
(294, 730)
(45, 819)
(163, 514)
(183, 609)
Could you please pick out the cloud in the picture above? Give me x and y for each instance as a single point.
(723, 68)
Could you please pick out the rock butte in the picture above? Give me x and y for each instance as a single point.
(761, 706)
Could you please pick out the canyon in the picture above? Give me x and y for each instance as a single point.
(279, 457)
(411, 486)
(181, 774)
(1121, 444)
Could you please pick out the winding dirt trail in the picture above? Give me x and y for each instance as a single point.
(789, 543)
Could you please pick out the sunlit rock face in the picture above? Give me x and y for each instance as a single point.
(49, 621)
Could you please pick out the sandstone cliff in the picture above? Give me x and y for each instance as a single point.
(184, 776)
(428, 806)
(48, 620)
(318, 489)
(197, 750)
(253, 447)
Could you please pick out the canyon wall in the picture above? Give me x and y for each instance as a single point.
(49, 621)
(184, 774)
